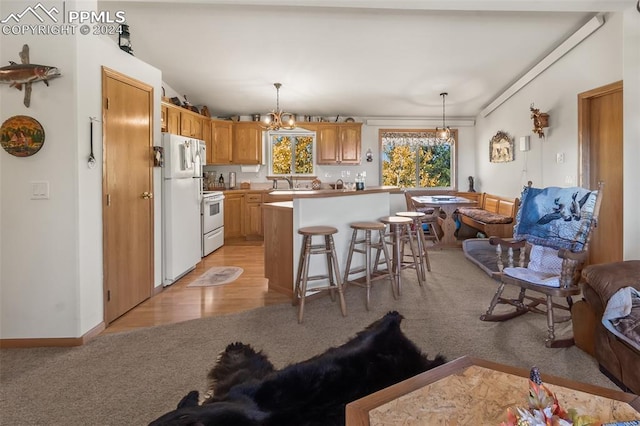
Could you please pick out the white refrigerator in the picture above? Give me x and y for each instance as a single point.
(181, 198)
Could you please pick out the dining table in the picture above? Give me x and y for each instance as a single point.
(447, 204)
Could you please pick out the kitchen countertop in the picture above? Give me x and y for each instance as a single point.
(281, 204)
(310, 193)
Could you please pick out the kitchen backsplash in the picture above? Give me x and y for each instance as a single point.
(327, 175)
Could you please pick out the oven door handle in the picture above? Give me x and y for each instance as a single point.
(213, 200)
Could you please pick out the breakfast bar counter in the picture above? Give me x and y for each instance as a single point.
(337, 208)
(326, 193)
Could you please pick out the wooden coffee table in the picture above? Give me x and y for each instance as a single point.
(471, 391)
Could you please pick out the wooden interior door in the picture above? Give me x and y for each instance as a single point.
(600, 123)
(127, 192)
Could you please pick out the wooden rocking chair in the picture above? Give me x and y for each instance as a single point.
(556, 223)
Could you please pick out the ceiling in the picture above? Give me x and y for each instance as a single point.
(376, 58)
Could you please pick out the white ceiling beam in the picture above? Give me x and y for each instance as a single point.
(576, 38)
(426, 122)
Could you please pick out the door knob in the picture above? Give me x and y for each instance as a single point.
(147, 195)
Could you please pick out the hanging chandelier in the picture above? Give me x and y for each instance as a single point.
(277, 119)
(444, 133)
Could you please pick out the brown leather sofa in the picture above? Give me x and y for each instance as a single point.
(618, 359)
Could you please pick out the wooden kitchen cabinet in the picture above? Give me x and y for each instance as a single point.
(173, 119)
(206, 137)
(253, 215)
(190, 124)
(163, 118)
(221, 142)
(247, 143)
(350, 143)
(338, 143)
(233, 215)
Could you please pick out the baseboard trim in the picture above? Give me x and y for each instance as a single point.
(614, 379)
(53, 342)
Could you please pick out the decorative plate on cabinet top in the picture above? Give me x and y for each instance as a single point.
(349, 120)
(21, 136)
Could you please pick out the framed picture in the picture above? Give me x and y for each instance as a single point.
(158, 156)
(21, 136)
(501, 148)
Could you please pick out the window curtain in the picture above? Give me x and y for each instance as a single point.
(413, 139)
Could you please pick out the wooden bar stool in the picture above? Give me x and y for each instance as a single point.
(366, 246)
(399, 232)
(418, 218)
(333, 272)
(431, 219)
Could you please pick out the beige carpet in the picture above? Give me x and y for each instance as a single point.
(217, 275)
(132, 378)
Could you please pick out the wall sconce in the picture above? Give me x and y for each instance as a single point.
(124, 39)
(540, 121)
(369, 155)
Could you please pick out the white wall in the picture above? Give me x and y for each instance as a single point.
(39, 281)
(51, 263)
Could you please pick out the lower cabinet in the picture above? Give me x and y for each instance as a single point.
(253, 216)
(242, 216)
(233, 216)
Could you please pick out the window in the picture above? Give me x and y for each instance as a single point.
(417, 159)
(291, 153)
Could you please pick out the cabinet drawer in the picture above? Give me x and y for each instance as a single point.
(254, 198)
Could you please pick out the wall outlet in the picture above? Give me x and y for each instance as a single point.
(560, 157)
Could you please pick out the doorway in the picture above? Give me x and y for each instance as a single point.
(600, 123)
(127, 185)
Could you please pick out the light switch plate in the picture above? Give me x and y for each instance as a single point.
(524, 143)
(40, 190)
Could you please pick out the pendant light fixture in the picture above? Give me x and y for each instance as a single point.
(444, 133)
(276, 119)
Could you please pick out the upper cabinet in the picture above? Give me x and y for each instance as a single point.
(190, 124)
(221, 142)
(163, 117)
(247, 143)
(180, 121)
(173, 119)
(207, 137)
(337, 143)
(240, 142)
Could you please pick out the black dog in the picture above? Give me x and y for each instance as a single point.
(247, 391)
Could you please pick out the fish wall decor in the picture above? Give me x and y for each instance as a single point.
(17, 75)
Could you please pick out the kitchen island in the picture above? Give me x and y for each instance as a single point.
(336, 208)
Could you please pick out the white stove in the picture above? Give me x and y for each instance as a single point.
(212, 221)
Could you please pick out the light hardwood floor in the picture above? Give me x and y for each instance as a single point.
(178, 303)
